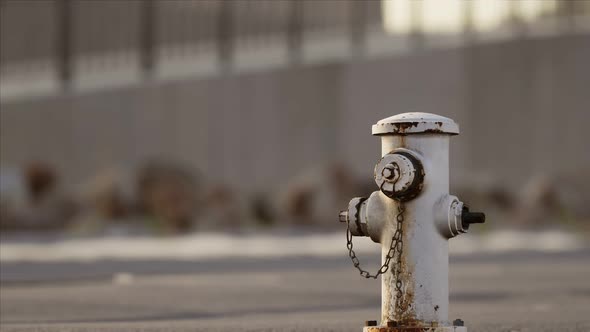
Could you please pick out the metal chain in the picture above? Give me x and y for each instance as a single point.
(399, 250)
(395, 251)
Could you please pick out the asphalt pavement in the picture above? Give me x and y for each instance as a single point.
(516, 291)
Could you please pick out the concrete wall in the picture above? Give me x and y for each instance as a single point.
(523, 107)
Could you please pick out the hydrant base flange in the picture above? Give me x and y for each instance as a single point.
(415, 329)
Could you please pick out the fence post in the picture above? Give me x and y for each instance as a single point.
(225, 35)
(295, 32)
(64, 43)
(358, 27)
(416, 36)
(147, 31)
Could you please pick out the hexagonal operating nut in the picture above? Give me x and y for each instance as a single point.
(391, 172)
(399, 175)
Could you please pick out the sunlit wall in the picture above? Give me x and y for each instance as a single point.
(452, 16)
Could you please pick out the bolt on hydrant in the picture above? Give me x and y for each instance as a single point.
(412, 216)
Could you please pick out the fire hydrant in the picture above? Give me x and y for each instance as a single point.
(412, 216)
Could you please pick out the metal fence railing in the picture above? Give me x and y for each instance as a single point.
(67, 38)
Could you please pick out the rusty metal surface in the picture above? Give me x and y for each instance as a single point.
(425, 260)
(415, 123)
(414, 329)
(414, 326)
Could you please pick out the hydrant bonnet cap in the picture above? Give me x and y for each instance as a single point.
(415, 123)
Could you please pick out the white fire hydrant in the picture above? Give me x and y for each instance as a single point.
(412, 216)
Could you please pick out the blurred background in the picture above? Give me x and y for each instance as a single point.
(213, 129)
(167, 117)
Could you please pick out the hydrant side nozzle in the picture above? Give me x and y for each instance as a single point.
(354, 216)
(447, 216)
(367, 216)
(452, 217)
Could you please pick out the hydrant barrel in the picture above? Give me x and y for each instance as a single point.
(425, 259)
(412, 216)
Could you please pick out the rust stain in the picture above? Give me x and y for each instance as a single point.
(433, 131)
(400, 329)
(402, 126)
(402, 141)
(406, 315)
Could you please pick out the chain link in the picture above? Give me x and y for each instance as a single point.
(395, 251)
(399, 250)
